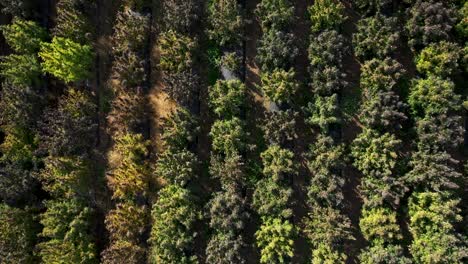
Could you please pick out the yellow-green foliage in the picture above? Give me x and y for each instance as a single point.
(176, 51)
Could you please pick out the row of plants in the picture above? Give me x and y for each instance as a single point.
(435, 177)
(128, 172)
(326, 226)
(272, 197)
(378, 151)
(176, 211)
(228, 208)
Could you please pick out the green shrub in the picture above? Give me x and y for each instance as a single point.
(379, 226)
(272, 199)
(380, 254)
(275, 14)
(226, 22)
(24, 36)
(323, 112)
(172, 233)
(20, 70)
(176, 166)
(326, 15)
(381, 75)
(441, 132)
(280, 126)
(176, 52)
(227, 98)
(370, 6)
(179, 129)
(278, 163)
(384, 112)
(275, 240)
(19, 106)
(228, 136)
(439, 59)
(67, 60)
(276, 49)
(226, 249)
(180, 15)
(377, 36)
(279, 85)
(73, 20)
(228, 212)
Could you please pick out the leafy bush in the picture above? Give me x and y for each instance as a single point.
(172, 235)
(377, 36)
(325, 254)
(226, 22)
(228, 136)
(179, 129)
(20, 70)
(275, 14)
(384, 112)
(430, 22)
(70, 128)
(275, 240)
(278, 163)
(279, 85)
(433, 171)
(276, 49)
(129, 178)
(325, 161)
(176, 166)
(432, 219)
(326, 15)
(380, 254)
(327, 230)
(433, 96)
(18, 231)
(326, 50)
(462, 26)
(176, 51)
(323, 112)
(180, 15)
(130, 32)
(272, 199)
(376, 156)
(228, 212)
(67, 233)
(73, 20)
(19, 106)
(19, 8)
(123, 251)
(280, 126)
(439, 59)
(66, 60)
(182, 86)
(370, 6)
(229, 170)
(226, 249)
(379, 226)
(24, 36)
(441, 132)
(227, 97)
(381, 75)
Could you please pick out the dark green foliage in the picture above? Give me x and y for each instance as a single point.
(229, 170)
(279, 85)
(433, 96)
(381, 75)
(19, 106)
(370, 6)
(172, 233)
(323, 112)
(70, 128)
(226, 22)
(433, 171)
(430, 22)
(228, 136)
(462, 26)
(226, 249)
(228, 212)
(327, 230)
(176, 166)
(380, 254)
(439, 59)
(180, 15)
(440, 132)
(24, 36)
(182, 86)
(275, 238)
(377, 157)
(432, 219)
(280, 126)
(18, 230)
(179, 129)
(276, 49)
(384, 112)
(278, 163)
(72, 20)
(275, 14)
(272, 199)
(377, 36)
(226, 98)
(67, 233)
(176, 52)
(65, 59)
(325, 162)
(20, 70)
(326, 15)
